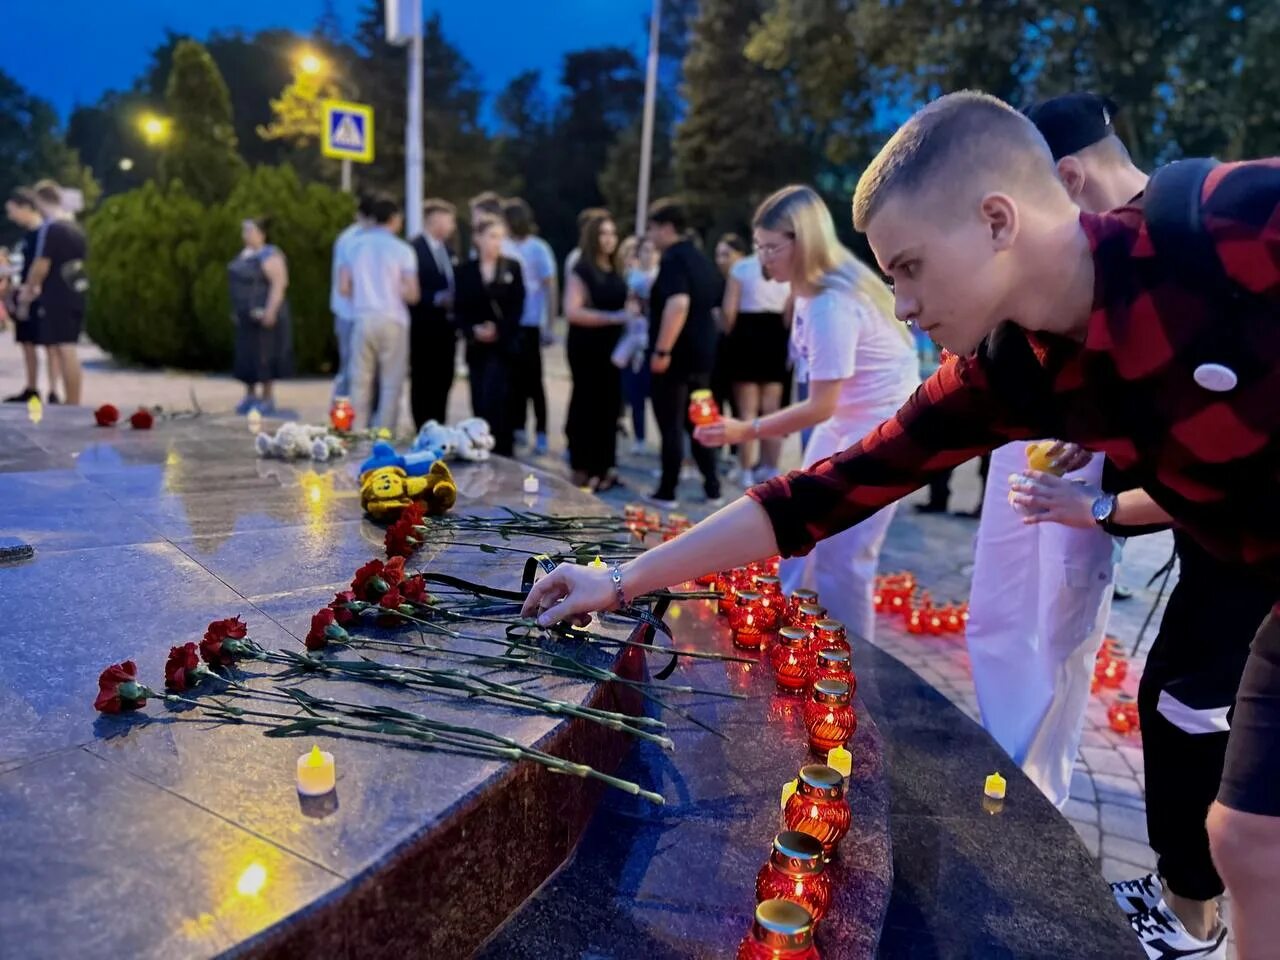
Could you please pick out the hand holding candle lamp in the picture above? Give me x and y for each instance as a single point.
(819, 807)
(796, 871)
(317, 773)
(782, 930)
(703, 409)
(1122, 715)
(829, 718)
(791, 659)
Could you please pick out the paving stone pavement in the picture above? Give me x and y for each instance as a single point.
(1108, 787)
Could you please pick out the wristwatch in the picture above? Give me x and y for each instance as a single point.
(1103, 508)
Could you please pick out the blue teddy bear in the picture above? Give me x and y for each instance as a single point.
(415, 463)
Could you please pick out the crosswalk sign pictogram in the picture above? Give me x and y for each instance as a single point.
(347, 131)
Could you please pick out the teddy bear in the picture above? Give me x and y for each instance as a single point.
(470, 440)
(294, 441)
(385, 491)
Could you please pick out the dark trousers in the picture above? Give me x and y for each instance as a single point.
(1188, 689)
(491, 371)
(432, 356)
(635, 385)
(670, 395)
(527, 384)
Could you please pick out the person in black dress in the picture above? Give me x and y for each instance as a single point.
(596, 307)
(489, 299)
(259, 277)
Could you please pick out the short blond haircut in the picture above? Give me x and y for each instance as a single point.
(962, 139)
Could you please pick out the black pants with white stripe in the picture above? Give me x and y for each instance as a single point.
(1185, 702)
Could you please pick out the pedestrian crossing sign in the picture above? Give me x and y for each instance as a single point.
(347, 133)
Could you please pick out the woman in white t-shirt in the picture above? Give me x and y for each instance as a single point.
(861, 366)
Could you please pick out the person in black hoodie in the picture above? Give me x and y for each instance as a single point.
(489, 301)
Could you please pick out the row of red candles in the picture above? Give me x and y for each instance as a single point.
(895, 593)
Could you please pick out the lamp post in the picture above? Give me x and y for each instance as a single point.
(646, 129)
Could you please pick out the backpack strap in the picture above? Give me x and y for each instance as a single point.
(1172, 209)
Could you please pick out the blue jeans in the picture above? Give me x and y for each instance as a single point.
(635, 387)
(343, 327)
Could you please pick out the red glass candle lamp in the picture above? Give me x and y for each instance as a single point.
(1122, 715)
(677, 524)
(834, 663)
(748, 633)
(951, 619)
(915, 621)
(935, 622)
(830, 634)
(342, 415)
(703, 408)
(792, 660)
(1111, 672)
(798, 599)
(808, 615)
(707, 579)
(782, 930)
(796, 871)
(773, 565)
(828, 716)
(772, 603)
(818, 807)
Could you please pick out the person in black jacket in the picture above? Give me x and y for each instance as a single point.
(433, 337)
(488, 305)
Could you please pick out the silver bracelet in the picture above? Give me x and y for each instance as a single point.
(755, 428)
(615, 574)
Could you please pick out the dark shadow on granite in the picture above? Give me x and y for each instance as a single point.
(968, 884)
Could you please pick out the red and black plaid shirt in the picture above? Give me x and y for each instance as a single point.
(1211, 459)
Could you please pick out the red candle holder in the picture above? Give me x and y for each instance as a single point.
(748, 632)
(833, 663)
(934, 622)
(1109, 650)
(782, 930)
(707, 579)
(703, 408)
(773, 565)
(951, 619)
(342, 415)
(830, 635)
(799, 598)
(796, 871)
(1111, 672)
(1122, 715)
(792, 660)
(677, 524)
(808, 615)
(828, 716)
(915, 622)
(727, 586)
(633, 512)
(818, 807)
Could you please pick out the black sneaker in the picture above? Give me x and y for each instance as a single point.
(22, 397)
(53, 398)
(658, 500)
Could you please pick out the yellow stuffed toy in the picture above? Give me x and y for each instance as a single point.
(385, 491)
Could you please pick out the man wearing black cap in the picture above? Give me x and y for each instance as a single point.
(1188, 686)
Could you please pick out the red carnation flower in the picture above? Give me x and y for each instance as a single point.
(400, 540)
(413, 514)
(341, 613)
(364, 577)
(119, 689)
(324, 628)
(393, 571)
(216, 649)
(391, 600)
(142, 419)
(106, 415)
(415, 589)
(182, 670)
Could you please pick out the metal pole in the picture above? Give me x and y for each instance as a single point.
(346, 174)
(646, 130)
(413, 130)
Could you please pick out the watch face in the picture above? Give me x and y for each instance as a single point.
(1102, 508)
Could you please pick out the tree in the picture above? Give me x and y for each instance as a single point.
(296, 115)
(733, 146)
(202, 154)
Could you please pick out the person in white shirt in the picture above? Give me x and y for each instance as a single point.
(861, 367)
(756, 355)
(344, 320)
(541, 293)
(380, 275)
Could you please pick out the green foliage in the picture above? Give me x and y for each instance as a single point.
(202, 154)
(160, 268)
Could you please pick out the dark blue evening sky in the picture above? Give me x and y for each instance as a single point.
(70, 51)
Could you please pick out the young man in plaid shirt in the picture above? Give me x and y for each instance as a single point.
(1065, 325)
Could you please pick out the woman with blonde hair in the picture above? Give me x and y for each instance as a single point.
(860, 364)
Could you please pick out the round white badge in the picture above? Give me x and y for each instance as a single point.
(1215, 377)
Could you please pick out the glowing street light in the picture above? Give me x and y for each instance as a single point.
(310, 64)
(155, 128)
(126, 164)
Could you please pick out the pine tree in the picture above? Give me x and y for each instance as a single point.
(202, 152)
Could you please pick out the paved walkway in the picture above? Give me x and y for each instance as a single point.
(1107, 794)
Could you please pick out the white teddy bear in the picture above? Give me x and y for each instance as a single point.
(470, 440)
(294, 441)
(478, 439)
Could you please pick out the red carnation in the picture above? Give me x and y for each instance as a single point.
(106, 415)
(182, 670)
(119, 689)
(324, 628)
(220, 646)
(393, 571)
(142, 419)
(415, 588)
(413, 514)
(341, 612)
(391, 600)
(364, 578)
(400, 540)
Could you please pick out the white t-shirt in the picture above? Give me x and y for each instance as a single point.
(378, 261)
(759, 295)
(839, 336)
(539, 265)
(339, 305)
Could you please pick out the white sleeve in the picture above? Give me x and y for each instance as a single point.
(832, 330)
(408, 259)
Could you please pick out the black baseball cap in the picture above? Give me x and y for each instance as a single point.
(1073, 121)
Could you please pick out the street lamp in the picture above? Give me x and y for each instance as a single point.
(126, 164)
(310, 64)
(155, 128)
